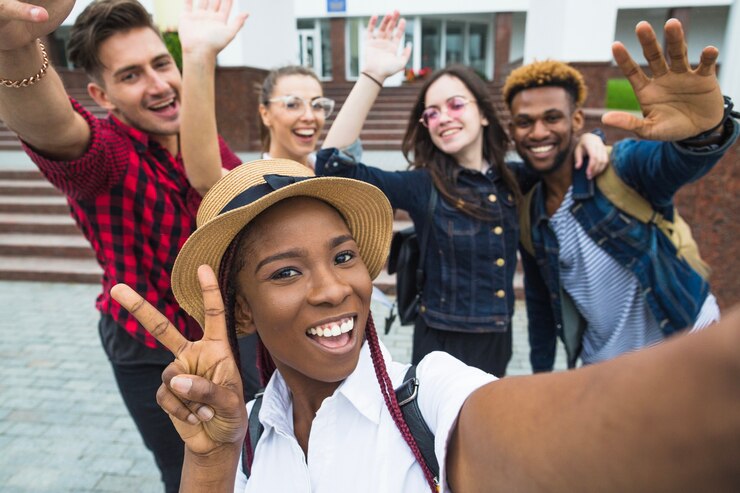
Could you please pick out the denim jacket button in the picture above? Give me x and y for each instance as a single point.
(492, 198)
(498, 230)
(500, 293)
(500, 262)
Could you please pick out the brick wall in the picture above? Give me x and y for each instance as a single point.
(712, 207)
(237, 103)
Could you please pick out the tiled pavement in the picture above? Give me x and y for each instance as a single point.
(63, 426)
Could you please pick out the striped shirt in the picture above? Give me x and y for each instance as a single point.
(607, 294)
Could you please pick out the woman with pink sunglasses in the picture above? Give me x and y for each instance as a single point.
(456, 147)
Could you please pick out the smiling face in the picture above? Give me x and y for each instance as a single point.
(457, 133)
(544, 121)
(293, 134)
(304, 288)
(140, 82)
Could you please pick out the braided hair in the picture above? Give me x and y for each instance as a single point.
(231, 264)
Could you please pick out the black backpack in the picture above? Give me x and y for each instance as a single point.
(405, 394)
(406, 260)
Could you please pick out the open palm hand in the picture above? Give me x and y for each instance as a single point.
(677, 102)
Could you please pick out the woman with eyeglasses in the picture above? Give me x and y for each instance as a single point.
(292, 111)
(455, 144)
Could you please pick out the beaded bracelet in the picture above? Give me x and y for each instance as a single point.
(34, 78)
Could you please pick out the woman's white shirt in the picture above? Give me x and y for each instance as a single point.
(354, 444)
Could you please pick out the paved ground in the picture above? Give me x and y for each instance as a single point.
(63, 426)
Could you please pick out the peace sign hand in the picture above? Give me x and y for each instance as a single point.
(202, 389)
(381, 46)
(677, 103)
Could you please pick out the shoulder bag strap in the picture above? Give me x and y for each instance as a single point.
(425, 238)
(406, 395)
(255, 431)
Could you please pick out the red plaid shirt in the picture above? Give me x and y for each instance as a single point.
(134, 204)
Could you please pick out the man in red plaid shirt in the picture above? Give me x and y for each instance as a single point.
(123, 176)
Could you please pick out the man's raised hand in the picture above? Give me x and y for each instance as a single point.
(677, 102)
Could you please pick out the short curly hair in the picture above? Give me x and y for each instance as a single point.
(544, 74)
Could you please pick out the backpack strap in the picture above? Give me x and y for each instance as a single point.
(425, 238)
(525, 222)
(255, 431)
(626, 198)
(406, 395)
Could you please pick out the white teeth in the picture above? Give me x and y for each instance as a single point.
(541, 148)
(305, 132)
(162, 105)
(333, 329)
(448, 132)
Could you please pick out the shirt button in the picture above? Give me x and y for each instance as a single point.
(500, 293)
(492, 198)
(498, 230)
(500, 262)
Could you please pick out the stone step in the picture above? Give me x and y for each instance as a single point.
(44, 269)
(21, 174)
(34, 204)
(45, 245)
(27, 188)
(54, 224)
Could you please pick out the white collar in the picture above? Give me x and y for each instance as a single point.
(360, 389)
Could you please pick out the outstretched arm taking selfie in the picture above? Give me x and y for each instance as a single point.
(204, 31)
(660, 419)
(33, 102)
(202, 389)
(381, 61)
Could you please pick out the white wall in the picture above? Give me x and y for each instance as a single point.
(729, 77)
(317, 8)
(573, 30)
(268, 39)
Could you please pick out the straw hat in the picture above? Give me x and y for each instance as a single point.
(251, 188)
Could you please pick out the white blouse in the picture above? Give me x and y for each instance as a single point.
(354, 444)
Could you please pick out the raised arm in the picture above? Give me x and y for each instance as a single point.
(677, 102)
(204, 31)
(381, 61)
(39, 110)
(661, 419)
(201, 390)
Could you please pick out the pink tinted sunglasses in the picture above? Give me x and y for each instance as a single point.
(455, 106)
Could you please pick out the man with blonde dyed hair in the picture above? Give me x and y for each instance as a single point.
(600, 270)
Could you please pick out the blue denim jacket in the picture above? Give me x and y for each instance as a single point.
(469, 267)
(673, 290)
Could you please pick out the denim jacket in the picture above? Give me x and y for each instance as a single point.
(674, 291)
(469, 267)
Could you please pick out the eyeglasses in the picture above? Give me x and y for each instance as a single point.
(297, 104)
(454, 108)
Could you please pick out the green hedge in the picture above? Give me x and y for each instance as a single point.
(620, 96)
(172, 41)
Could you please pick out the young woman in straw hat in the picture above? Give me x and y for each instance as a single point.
(294, 257)
(292, 113)
(456, 147)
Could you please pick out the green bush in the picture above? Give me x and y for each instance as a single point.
(620, 96)
(172, 41)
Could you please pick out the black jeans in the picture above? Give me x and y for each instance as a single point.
(138, 372)
(489, 351)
